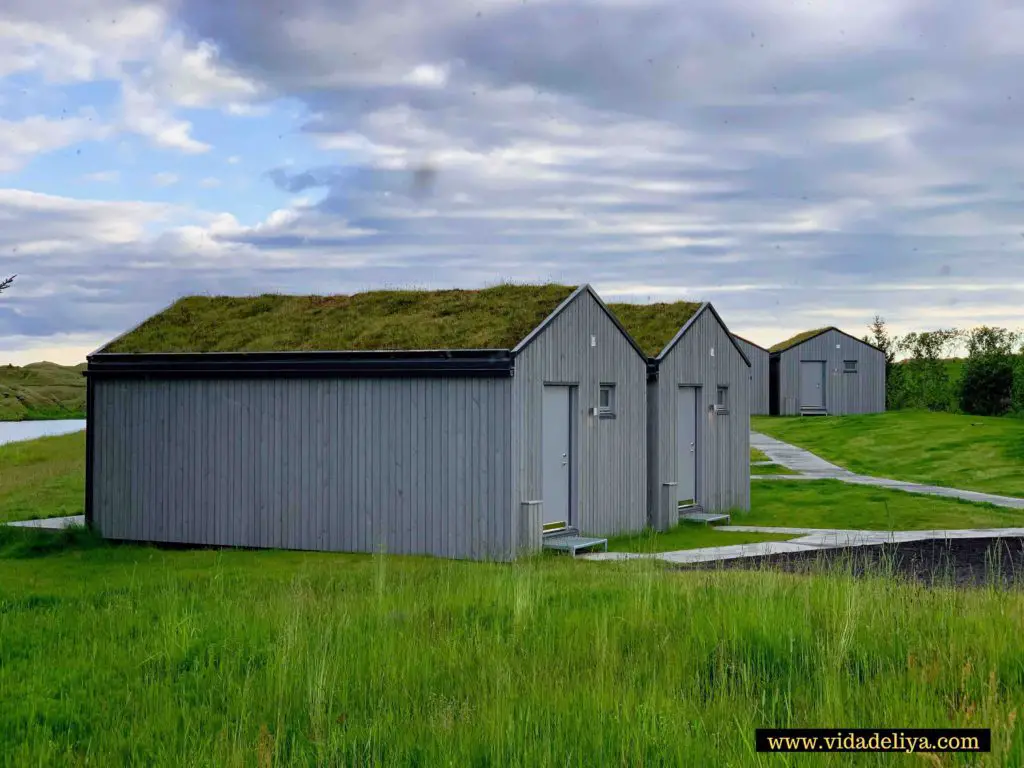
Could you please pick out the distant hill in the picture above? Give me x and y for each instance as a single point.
(42, 391)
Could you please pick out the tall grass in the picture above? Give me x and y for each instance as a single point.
(127, 655)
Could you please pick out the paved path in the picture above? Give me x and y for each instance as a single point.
(51, 523)
(816, 468)
(813, 539)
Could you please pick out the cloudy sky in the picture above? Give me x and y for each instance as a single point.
(798, 163)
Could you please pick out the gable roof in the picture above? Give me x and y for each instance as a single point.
(748, 341)
(800, 338)
(499, 317)
(655, 325)
(649, 323)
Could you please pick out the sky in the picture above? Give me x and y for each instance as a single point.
(797, 163)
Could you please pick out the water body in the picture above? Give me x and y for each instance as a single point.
(13, 431)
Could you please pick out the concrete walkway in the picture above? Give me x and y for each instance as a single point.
(51, 523)
(812, 539)
(814, 467)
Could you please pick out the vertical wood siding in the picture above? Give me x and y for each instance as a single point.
(845, 393)
(611, 488)
(408, 466)
(723, 463)
(758, 377)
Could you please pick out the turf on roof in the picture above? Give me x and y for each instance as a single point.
(492, 318)
(792, 341)
(654, 325)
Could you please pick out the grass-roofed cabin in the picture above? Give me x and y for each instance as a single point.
(825, 371)
(425, 422)
(698, 402)
(758, 357)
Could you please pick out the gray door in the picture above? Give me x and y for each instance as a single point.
(556, 454)
(687, 448)
(812, 384)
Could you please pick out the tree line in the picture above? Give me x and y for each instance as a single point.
(921, 371)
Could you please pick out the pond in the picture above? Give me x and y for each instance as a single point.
(13, 431)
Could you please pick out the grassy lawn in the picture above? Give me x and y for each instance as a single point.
(139, 656)
(756, 455)
(687, 536)
(953, 450)
(772, 469)
(42, 478)
(834, 504)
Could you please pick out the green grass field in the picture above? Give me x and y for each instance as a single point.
(772, 469)
(687, 536)
(42, 478)
(953, 450)
(42, 391)
(138, 656)
(834, 504)
(756, 455)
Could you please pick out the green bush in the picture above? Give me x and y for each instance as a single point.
(986, 385)
(1017, 390)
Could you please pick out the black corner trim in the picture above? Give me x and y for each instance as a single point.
(90, 400)
(403, 364)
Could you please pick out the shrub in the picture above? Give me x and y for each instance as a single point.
(986, 386)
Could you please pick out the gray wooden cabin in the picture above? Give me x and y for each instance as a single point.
(826, 372)
(461, 452)
(698, 405)
(758, 357)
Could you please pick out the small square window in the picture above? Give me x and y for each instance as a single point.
(849, 366)
(722, 400)
(606, 401)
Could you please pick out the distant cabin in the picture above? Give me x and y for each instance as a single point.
(451, 423)
(826, 371)
(758, 357)
(698, 404)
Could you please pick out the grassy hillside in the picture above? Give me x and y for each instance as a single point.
(953, 450)
(42, 478)
(42, 391)
(138, 656)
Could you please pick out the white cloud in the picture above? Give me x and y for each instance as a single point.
(102, 176)
(142, 114)
(165, 179)
(234, 160)
(22, 140)
(209, 182)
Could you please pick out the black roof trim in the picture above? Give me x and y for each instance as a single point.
(822, 332)
(400, 363)
(585, 288)
(748, 341)
(686, 326)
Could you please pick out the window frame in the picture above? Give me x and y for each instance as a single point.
(722, 398)
(848, 369)
(606, 411)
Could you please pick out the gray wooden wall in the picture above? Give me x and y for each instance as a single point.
(845, 393)
(758, 377)
(611, 453)
(723, 463)
(405, 465)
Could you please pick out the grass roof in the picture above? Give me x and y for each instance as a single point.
(792, 341)
(492, 318)
(654, 325)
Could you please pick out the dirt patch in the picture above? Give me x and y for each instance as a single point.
(954, 562)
